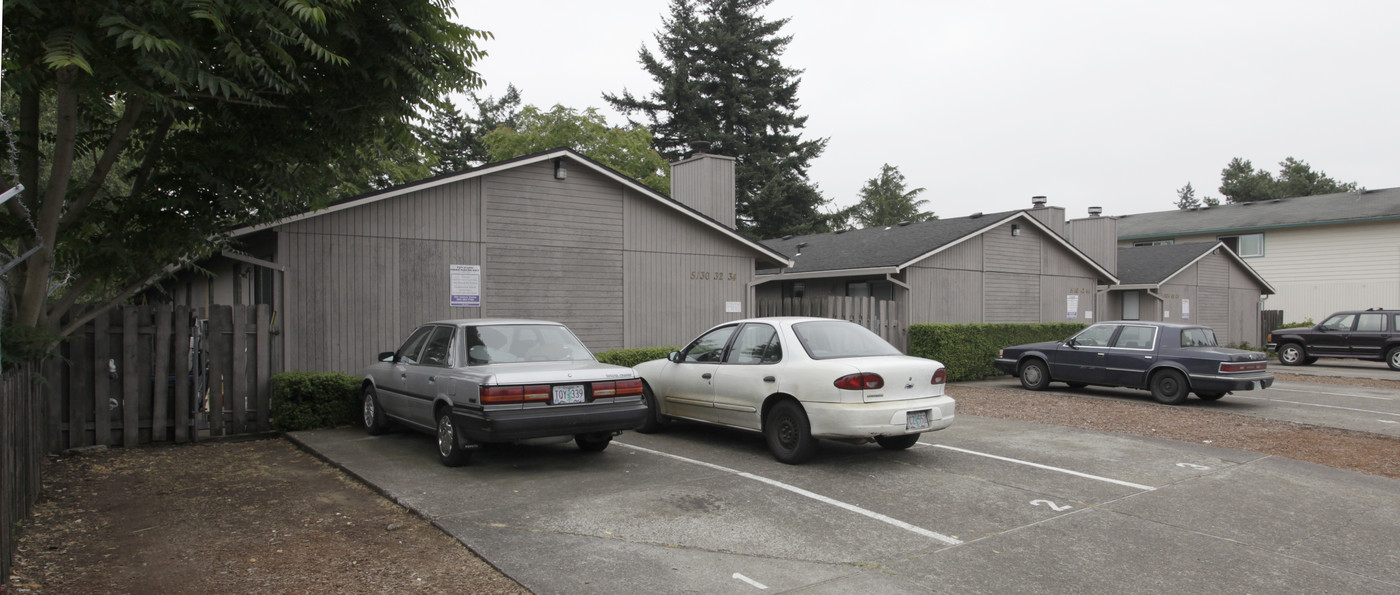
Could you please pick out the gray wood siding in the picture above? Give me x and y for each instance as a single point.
(665, 306)
(1005, 253)
(965, 255)
(1012, 297)
(554, 251)
(448, 212)
(653, 227)
(706, 184)
(1097, 237)
(1213, 310)
(944, 295)
(1054, 298)
(1213, 271)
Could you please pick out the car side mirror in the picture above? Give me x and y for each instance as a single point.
(1070, 343)
(386, 356)
(674, 356)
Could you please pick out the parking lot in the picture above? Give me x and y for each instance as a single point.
(987, 505)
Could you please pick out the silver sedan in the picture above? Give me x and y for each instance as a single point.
(475, 381)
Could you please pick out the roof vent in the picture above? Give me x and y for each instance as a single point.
(902, 223)
(1095, 211)
(788, 237)
(975, 215)
(1038, 201)
(699, 146)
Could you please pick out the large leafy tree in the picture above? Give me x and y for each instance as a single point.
(1240, 182)
(627, 150)
(720, 80)
(886, 200)
(453, 139)
(147, 127)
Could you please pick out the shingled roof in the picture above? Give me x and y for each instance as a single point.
(1324, 209)
(897, 246)
(1155, 265)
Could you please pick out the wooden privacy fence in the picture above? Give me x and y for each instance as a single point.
(880, 316)
(21, 453)
(144, 374)
(1268, 321)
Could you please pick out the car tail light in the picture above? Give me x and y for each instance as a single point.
(941, 376)
(604, 389)
(866, 381)
(627, 388)
(1243, 366)
(535, 393)
(496, 395)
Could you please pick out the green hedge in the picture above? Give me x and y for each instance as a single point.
(632, 357)
(311, 400)
(967, 350)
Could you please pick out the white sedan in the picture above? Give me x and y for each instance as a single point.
(798, 380)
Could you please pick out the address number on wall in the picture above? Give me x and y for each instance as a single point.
(712, 276)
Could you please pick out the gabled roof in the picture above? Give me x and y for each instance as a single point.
(490, 168)
(1324, 209)
(877, 250)
(1153, 266)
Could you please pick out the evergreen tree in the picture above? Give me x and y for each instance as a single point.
(720, 80)
(627, 150)
(453, 139)
(1240, 182)
(1186, 197)
(884, 200)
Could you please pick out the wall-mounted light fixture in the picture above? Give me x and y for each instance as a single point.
(561, 168)
(1015, 229)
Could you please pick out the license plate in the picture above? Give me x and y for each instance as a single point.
(572, 393)
(916, 420)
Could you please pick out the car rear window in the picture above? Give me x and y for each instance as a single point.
(827, 339)
(1198, 337)
(513, 343)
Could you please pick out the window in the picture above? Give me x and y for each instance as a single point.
(880, 290)
(756, 344)
(1247, 245)
(1130, 305)
(1371, 323)
(1153, 243)
(1137, 337)
(435, 352)
(794, 289)
(1340, 322)
(710, 346)
(408, 354)
(1095, 336)
(1197, 337)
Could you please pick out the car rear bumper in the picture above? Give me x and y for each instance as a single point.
(543, 422)
(1233, 382)
(867, 420)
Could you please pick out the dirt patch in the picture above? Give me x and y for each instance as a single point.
(231, 517)
(263, 516)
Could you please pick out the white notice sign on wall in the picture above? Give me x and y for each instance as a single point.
(1072, 306)
(733, 307)
(465, 286)
(1185, 309)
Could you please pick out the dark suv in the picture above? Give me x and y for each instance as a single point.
(1359, 334)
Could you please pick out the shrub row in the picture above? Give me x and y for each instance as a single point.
(632, 357)
(967, 350)
(311, 400)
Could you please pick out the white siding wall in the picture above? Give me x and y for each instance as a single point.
(1318, 270)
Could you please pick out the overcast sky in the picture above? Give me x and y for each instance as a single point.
(1091, 103)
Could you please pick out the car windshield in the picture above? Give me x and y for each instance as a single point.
(1198, 337)
(512, 343)
(827, 339)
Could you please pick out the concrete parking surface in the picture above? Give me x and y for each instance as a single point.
(986, 506)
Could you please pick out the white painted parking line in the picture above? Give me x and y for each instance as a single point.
(1318, 405)
(1047, 467)
(801, 492)
(756, 584)
(1313, 392)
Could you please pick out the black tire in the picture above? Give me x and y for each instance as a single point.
(1392, 358)
(593, 442)
(900, 442)
(1209, 396)
(654, 422)
(450, 451)
(1293, 354)
(1076, 384)
(1169, 387)
(374, 420)
(1034, 375)
(789, 433)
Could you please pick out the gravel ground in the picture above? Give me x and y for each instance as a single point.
(262, 516)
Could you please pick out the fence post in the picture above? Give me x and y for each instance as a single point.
(182, 374)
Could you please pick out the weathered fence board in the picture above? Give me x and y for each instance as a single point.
(22, 446)
(880, 316)
(143, 374)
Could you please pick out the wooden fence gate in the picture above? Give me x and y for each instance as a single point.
(1268, 321)
(143, 374)
(880, 316)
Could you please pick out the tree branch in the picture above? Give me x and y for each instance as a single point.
(78, 321)
(115, 144)
(143, 173)
(29, 308)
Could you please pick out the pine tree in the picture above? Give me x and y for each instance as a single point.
(720, 80)
(885, 200)
(453, 138)
(1186, 197)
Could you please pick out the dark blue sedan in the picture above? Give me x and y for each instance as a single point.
(1171, 360)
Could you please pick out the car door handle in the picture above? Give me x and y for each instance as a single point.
(706, 375)
(769, 379)
(403, 376)
(1100, 354)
